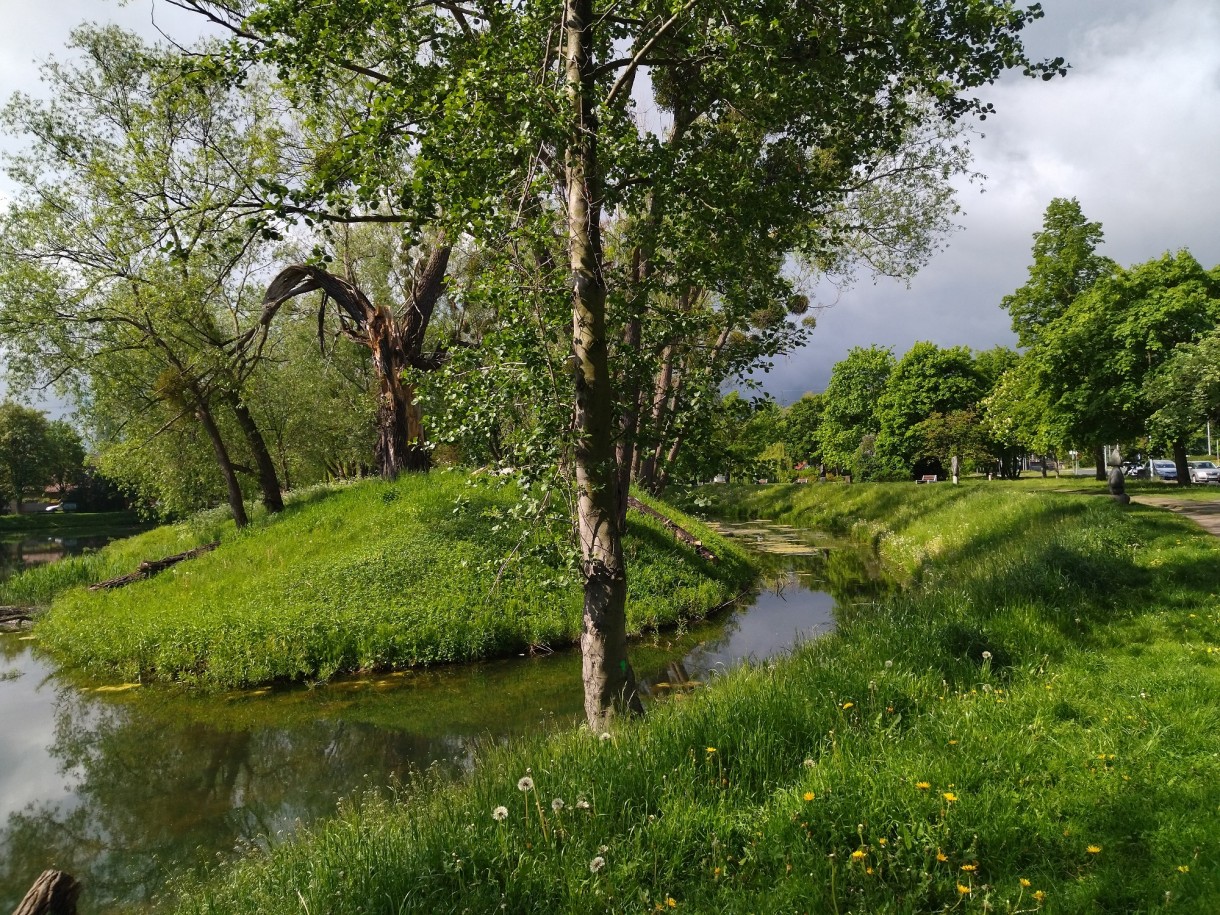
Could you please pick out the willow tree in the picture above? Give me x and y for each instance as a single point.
(521, 125)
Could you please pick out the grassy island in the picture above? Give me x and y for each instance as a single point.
(375, 575)
(1030, 725)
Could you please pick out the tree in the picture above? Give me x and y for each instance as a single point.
(25, 450)
(926, 380)
(800, 428)
(850, 405)
(516, 124)
(1065, 265)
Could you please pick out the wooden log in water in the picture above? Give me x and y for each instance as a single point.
(151, 567)
(54, 893)
(678, 531)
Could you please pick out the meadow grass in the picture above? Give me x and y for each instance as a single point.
(370, 576)
(1030, 725)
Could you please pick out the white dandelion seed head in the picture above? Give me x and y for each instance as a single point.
(557, 804)
(602, 849)
(597, 864)
(808, 763)
(525, 783)
(500, 814)
(582, 804)
(986, 655)
(605, 736)
(889, 664)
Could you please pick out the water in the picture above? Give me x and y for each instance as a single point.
(126, 788)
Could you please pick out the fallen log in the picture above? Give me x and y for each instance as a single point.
(16, 614)
(151, 567)
(53, 893)
(678, 531)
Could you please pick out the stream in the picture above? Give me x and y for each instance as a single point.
(126, 788)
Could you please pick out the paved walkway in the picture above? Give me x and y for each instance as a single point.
(1205, 514)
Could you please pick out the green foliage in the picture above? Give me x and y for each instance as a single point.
(1033, 715)
(374, 575)
(1065, 265)
(35, 451)
(850, 411)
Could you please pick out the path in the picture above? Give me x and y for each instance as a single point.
(1204, 514)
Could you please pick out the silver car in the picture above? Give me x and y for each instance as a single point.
(1204, 472)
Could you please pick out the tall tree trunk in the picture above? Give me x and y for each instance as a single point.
(1099, 457)
(1179, 458)
(629, 422)
(236, 504)
(268, 479)
(660, 400)
(609, 682)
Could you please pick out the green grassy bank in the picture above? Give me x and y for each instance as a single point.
(371, 576)
(1031, 725)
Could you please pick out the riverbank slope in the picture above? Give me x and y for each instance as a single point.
(375, 575)
(1030, 725)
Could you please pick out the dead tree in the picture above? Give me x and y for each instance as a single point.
(396, 342)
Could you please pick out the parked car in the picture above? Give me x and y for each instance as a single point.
(1164, 470)
(1204, 472)
(1135, 469)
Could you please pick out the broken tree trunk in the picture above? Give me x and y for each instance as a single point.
(9, 615)
(151, 567)
(678, 531)
(53, 893)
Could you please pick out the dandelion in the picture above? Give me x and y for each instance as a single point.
(808, 763)
(711, 750)
(1024, 883)
(1093, 849)
(1183, 868)
(941, 856)
(809, 795)
(869, 871)
(858, 854)
(1039, 895)
(557, 804)
(605, 736)
(848, 705)
(597, 864)
(500, 814)
(986, 655)
(889, 664)
(949, 797)
(953, 743)
(923, 786)
(883, 841)
(964, 890)
(970, 868)
(671, 902)
(525, 783)
(582, 804)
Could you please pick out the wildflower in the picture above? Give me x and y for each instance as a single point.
(964, 890)
(1183, 868)
(923, 786)
(525, 783)
(500, 814)
(671, 902)
(808, 764)
(1093, 849)
(941, 856)
(809, 795)
(986, 655)
(869, 871)
(1039, 895)
(949, 797)
(597, 864)
(711, 749)
(605, 736)
(557, 804)
(970, 868)
(889, 664)
(953, 743)
(883, 841)
(582, 804)
(716, 872)
(847, 705)
(1023, 882)
(858, 854)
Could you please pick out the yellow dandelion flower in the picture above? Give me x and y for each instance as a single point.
(711, 749)
(671, 902)
(716, 872)
(941, 856)
(970, 868)
(964, 890)
(1039, 895)
(949, 797)
(858, 854)
(1024, 882)
(849, 705)
(869, 871)
(883, 841)
(953, 743)
(1183, 868)
(1093, 849)
(809, 795)
(923, 786)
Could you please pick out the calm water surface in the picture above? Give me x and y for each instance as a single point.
(125, 789)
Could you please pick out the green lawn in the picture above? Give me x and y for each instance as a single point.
(1032, 724)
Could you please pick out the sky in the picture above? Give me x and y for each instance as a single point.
(1133, 132)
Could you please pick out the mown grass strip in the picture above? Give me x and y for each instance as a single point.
(1031, 725)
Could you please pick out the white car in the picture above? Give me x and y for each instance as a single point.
(1204, 472)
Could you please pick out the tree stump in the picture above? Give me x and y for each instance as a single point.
(54, 893)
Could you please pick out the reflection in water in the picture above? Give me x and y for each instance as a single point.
(23, 553)
(125, 790)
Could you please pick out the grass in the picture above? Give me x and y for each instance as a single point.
(372, 576)
(1031, 725)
